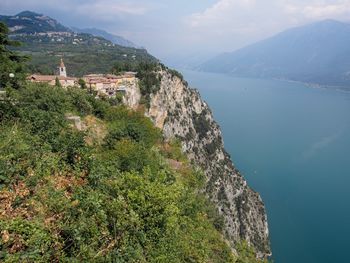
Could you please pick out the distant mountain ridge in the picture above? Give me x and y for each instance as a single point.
(31, 22)
(111, 37)
(28, 22)
(317, 53)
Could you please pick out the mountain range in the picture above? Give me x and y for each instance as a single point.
(46, 40)
(31, 22)
(318, 53)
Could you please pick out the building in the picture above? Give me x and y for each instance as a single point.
(104, 84)
(61, 76)
(51, 80)
(108, 84)
(61, 70)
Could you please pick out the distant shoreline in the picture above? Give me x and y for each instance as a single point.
(317, 86)
(307, 84)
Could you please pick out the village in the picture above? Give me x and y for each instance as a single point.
(105, 85)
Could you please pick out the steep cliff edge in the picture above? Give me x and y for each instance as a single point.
(180, 112)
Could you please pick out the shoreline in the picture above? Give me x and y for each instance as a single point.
(307, 84)
(317, 86)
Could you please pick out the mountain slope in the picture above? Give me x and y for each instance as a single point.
(82, 53)
(31, 22)
(101, 33)
(46, 40)
(318, 53)
(101, 192)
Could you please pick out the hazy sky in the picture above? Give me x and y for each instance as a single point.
(168, 27)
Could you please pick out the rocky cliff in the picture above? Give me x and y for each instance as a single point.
(180, 112)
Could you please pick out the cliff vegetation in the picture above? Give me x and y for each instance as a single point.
(112, 190)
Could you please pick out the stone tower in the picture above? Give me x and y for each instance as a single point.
(61, 70)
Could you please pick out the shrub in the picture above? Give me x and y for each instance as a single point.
(117, 202)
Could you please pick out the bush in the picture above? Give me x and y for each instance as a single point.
(26, 241)
(117, 202)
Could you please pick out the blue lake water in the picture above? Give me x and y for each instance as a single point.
(292, 143)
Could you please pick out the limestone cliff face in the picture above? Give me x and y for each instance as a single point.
(180, 112)
(132, 96)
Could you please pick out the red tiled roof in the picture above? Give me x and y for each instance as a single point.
(93, 76)
(48, 77)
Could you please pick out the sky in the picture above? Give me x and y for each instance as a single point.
(171, 29)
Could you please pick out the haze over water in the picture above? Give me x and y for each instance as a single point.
(292, 144)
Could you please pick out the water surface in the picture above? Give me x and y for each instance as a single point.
(292, 143)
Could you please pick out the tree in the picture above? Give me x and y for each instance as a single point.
(82, 84)
(11, 64)
(57, 82)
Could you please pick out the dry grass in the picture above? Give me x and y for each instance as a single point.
(8, 196)
(96, 130)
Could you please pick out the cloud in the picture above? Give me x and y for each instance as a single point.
(220, 13)
(230, 10)
(321, 9)
(235, 23)
(254, 19)
(109, 9)
(208, 25)
(334, 10)
(99, 9)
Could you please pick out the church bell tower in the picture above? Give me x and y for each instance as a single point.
(62, 69)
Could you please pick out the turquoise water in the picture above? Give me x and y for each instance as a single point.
(292, 143)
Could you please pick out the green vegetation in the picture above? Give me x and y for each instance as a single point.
(68, 197)
(82, 84)
(112, 192)
(88, 55)
(45, 41)
(57, 82)
(147, 73)
(247, 254)
(10, 61)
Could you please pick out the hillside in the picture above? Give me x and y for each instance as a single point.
(318, 53)
(82, 53)
(45, 42)
(103, 193)
(118, 40)
(153, 184)
(111, 189)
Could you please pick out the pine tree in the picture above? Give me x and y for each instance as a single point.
(11, 64)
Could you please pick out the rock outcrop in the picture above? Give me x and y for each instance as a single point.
(180, 112)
